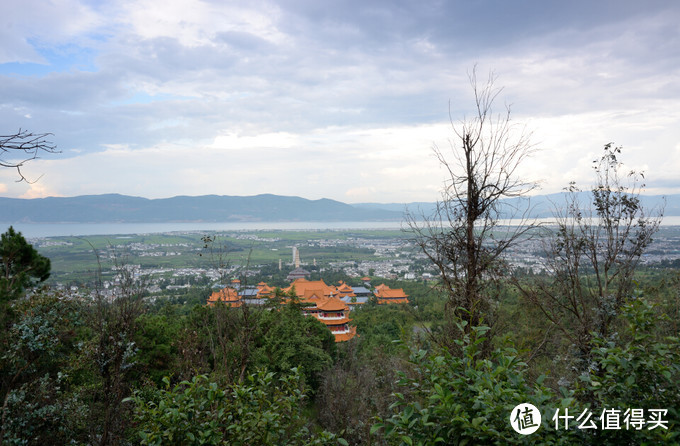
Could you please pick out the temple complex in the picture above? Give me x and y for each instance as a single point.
(331, 305)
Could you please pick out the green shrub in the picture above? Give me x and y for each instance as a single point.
(262, 410)
(634, 370)
(466, 399)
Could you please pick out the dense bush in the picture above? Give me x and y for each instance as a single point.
(464, 398)
(634, 370)
(262, 410)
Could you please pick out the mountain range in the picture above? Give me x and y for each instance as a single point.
(115, 208)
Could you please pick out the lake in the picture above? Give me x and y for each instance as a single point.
(36, 230)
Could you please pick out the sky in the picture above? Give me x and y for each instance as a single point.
(330, 99)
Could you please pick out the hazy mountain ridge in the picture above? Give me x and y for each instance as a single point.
(540, 206)
(115, 208)
(205, 208)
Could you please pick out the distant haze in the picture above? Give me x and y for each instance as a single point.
(115, 208)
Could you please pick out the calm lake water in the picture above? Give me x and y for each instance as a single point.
(35, 230)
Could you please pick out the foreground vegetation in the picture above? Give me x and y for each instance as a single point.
(591, 342)
(156, 371)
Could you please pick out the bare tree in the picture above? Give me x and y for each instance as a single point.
(113, 320)
(233, 330)
(217, 252)
(593, 252)
(463, 237)
(23, 146)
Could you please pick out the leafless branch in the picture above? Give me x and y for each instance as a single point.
(23, 146)
(463, 237)
(593, 252)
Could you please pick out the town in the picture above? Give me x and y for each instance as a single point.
(166, 262)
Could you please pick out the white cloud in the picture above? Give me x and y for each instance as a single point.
(45, 23)
(196, 22)
(329, 100)
(38, 190)
(232, 141)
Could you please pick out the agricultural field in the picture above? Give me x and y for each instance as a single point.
(77, 259)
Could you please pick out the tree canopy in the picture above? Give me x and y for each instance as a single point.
(20, 265)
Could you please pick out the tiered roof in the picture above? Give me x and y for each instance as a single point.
(387, 295)
(227, 295)
(311, 287)
(298, 273)
(332, 304)
(345, 290)
(337, 319)
(342, 337)
(264, 290)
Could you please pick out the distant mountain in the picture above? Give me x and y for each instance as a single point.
(540, 206)
(417, 207)
(114, 208)
(207, 208)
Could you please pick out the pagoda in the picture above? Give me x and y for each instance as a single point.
(298, 272)
(333, 313)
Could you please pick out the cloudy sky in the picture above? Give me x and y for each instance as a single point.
(335, 99)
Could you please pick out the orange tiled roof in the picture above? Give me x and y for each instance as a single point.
(332, 304)
(343, 321)
(264, 290)
(381, 287)
(301, 285)
(312, 295)
(227, 295)
(392, 301)
(346, 336)
(389, 293)
(345, 289)
(320, 296)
